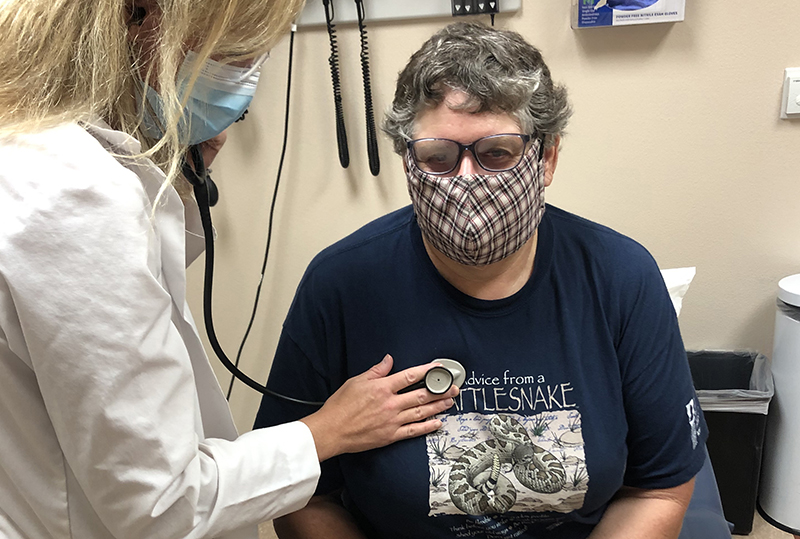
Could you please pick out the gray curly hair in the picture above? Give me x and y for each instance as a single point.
(497, 69)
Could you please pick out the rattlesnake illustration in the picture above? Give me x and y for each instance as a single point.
(476, 485)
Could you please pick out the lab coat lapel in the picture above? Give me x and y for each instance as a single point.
(181, 241)
(195, 237)
(214, 409)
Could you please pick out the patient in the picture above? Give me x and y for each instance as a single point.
(578, 417)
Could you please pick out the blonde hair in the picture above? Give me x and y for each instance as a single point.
(69, 60)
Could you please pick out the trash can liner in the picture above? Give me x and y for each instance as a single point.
(734, 389)
(733, 381)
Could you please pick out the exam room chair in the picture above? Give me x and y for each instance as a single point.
(704, 518)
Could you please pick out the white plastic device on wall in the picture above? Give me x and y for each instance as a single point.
(388, 10)
(790, 104)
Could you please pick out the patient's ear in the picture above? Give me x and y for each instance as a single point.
(551, 161)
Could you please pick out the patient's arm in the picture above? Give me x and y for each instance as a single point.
(323, 517)
(636, 513)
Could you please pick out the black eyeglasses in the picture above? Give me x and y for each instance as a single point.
(494, 153)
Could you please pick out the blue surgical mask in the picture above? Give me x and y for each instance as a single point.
(218, 98)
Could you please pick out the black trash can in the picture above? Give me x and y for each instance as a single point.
(734, 389)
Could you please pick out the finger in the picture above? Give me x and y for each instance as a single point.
(381, 369)
(412, 430)
(418, 397)
(424, 411)
(403, 379)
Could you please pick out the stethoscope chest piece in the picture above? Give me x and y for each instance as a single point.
(439, 379)
(455, 368)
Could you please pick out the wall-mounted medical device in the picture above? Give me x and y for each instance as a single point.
(392, 10)
(474, 7)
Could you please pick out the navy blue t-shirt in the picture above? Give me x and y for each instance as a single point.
(576, 385)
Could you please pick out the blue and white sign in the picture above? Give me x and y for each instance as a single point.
(594, 13)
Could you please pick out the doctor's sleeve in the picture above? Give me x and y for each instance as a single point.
(115, 374)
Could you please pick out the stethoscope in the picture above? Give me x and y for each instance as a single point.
(437, 380)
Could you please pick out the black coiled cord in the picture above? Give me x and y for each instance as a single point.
(333, 61)
(372, 134)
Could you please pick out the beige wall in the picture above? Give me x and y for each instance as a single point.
(675, 141)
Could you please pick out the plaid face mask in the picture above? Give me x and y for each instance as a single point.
(479, 219)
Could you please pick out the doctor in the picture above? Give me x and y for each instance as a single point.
(111, 421)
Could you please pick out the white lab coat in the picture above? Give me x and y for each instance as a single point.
(112, 423)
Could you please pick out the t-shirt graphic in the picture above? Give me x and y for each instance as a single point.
(503, 463)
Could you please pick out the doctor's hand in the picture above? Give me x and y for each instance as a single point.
(366, 412)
